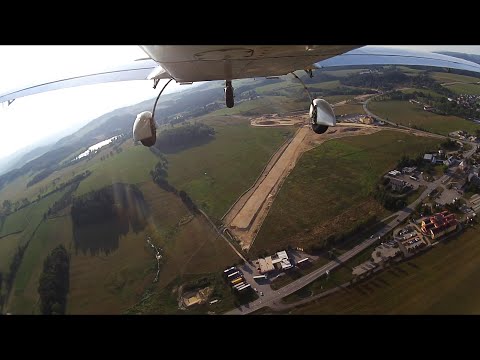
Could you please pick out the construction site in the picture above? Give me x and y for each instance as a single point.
(245, 217)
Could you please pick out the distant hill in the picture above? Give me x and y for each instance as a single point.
(174, 107)
(470, 57)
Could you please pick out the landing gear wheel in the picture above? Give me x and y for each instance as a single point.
(319, 129)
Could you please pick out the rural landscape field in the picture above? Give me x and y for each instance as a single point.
(149, 230)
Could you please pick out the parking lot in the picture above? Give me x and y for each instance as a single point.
(409, 181)
(475, 203)
(447, 196)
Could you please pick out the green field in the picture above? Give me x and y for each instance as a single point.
(449, 77)
(8, 245)
(409, 70)
(215, 174)
(18, 189)
(327, 85)
(329, 190)
(343, 73)
(265, 105)
(441, 281)
(348, 109)
(131, 166)
(112, 283)
(49, 234)
(425, 91)
(283, 88)
(338, 98)
(471, 89)
(337, 277)
(27, 219)
(405, 113)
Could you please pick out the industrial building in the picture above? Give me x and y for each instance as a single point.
(399, 185)
(368, 120)
(279, 261)
(430, 157)
(439, 224)
(409, 170)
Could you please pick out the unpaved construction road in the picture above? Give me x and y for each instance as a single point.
(245, 218)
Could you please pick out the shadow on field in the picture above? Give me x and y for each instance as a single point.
(100, 238)
(415, 266)
(360, 290)
(101, 217)
(386, 283)
(393, 272)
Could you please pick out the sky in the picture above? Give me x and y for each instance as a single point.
(33, 118)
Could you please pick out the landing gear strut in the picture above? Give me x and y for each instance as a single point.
(229, 94)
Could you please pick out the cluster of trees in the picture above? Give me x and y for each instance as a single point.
(1, 295)
(188, 201)
(389, 201)
(66, 198)
(449, 144)
(182, 137)
(391, 78)
(105, 204)
(472, 187)
(47, 162)
(64, 201)
(406, 161)
(198, 284)
(387, 80)
(8, 207)
(14, 265)
(159, 175)
(40, 176)
(444, 107)
(336, 239)
(101, 217)
(341, 90)
(426, 81)
(54, 282)
(399, 95)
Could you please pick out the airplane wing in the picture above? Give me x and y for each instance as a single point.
(136, 70)
(221, 62)
(371, 55)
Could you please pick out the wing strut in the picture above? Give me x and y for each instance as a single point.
(308, 92)
(326, 114)
(158, 97)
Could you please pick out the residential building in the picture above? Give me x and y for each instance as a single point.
(430, 157)
(439, 224)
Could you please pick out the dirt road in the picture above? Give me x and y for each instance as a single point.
(247, 215)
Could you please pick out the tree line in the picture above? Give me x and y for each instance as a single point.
(12, 272)
(159, 176)
(337, 239)
(54, 282)
(104, 204)
(182, 137)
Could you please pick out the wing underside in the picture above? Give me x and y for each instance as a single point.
(370, 55)
(138, 70)
(207, 62)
